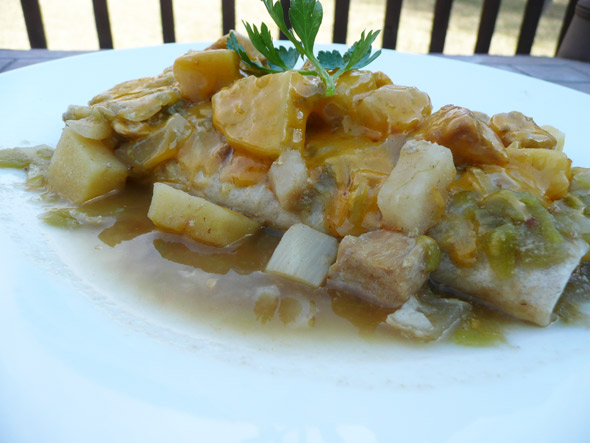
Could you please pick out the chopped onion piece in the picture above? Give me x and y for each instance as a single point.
(304, 255)
(426, 317)
(559, 136)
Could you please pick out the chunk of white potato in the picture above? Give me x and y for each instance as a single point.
(304, 255)
(414, 196)
(201, 74)
(82, 169)
(288, 178)
(392, 109)
(253, 53)
(266, 115)
(176, 211)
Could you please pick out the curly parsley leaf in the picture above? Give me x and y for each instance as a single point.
(331, 59)
(233, 44)
(306, 17)
(281, 58)
(289, 56)
(359, 54)
(357, 57)
(275, 10)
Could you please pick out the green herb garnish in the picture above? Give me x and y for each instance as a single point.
(306, 18)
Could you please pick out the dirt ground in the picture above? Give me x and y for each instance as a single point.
(69, 23)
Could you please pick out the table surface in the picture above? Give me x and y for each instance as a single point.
(570, 73)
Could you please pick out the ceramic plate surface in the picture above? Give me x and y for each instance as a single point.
(79, 362)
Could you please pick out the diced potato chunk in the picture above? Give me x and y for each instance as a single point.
(253, 53)
(157, 147)
(413, 198)
(349, 86)
(304, 255)
(516, 127)
(545, 170)
(176, 211)
(288, 178)
(201, 74)
(82, 169)
(393, 109)
(266, 115)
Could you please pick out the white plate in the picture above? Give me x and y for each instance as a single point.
(77, 364)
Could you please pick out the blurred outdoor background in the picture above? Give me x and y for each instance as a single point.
(69, 24)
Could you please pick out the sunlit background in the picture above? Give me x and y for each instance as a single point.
(69, 24)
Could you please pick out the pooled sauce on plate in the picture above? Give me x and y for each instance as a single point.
(225, 286)
(222, 286)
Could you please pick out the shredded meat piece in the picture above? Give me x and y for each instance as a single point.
(471, 140)
(382, 266)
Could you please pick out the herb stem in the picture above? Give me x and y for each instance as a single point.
(306, 18)
(324, 75)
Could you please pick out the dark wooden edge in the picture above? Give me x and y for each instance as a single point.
(167, 15)
(341, 12)
(390, 28)
(286, 5)
(103, 24)
(442, 14)
(567, 19)
(487, 24)
(228, 15)
(34, 23)
(528, 29)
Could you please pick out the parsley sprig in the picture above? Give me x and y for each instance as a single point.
(306, 17)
